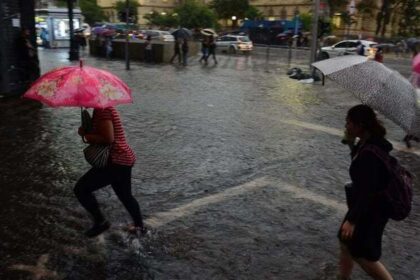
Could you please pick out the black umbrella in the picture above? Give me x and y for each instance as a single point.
(182, 33)
(412, 43)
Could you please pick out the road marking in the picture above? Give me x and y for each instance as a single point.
(162, 218)
(338, 132)
(300, 192)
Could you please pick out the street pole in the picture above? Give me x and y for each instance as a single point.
(127, 56)
(314, 43)
(74, 50)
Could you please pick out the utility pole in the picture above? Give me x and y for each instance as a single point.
(314, 43)
(127, 21)
(74, 49)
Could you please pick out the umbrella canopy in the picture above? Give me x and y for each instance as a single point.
(375, 85)
(79, 86)
(182, 33)
(416, 64)
(208, 32)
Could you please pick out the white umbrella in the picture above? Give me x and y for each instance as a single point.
(376, 85)
(208, 32)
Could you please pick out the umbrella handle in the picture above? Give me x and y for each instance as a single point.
(81, 112)
(81, 66)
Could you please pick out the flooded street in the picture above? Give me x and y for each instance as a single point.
(240, 175)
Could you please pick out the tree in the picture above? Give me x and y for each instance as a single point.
(337, 6)
(253, 13)
(408, 24)
(132, 11)
(92, 12)
(194, 15)
(225, 9)
(306, 20)
(383, 17)
(168, 20)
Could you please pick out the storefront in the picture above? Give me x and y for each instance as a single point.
(53, 23)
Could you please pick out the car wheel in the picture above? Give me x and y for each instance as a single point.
(232, 50)
(323, 55)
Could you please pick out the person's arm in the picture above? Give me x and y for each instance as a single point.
(104, 133)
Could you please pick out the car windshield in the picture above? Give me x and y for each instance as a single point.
(165, 33)
(244, 39)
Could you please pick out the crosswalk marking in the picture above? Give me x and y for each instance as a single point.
(162, 218)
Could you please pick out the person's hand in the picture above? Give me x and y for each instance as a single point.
(81, 131)
(347, 230)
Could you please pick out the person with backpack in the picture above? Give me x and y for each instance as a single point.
(360, 233)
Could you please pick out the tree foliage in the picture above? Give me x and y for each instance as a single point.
(225, 9)
(306, 20)
(408, 24)
(169, 20)
(91, 11)
(367, 7)
(338, 6)
(253, 13)
(133, 9)
(194, 15)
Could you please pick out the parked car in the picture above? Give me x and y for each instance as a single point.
(160, 35)
(347, 47)
(234, 43)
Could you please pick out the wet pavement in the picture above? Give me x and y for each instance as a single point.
(240, 175)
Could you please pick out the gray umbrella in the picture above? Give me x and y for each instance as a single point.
(375, 85)
(182, 33)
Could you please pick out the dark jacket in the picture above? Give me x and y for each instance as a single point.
(369, 176)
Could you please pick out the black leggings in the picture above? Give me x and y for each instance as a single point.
(119, 177)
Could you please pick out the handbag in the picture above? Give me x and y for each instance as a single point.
(97, 155)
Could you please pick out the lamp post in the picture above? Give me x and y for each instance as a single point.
(314, 42)
(74, 49)
(127, 55)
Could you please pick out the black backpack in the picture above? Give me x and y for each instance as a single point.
(399, 192)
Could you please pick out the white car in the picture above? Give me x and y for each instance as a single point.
(234, 43)
(347, 47)
(160, 35)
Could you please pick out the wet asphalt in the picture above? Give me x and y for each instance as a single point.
(240, 175)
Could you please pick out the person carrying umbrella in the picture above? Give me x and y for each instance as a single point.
(204, 49)
(94, 88)
(185, 49)
(415, 81)
(108, 130)
(360, 233)
(177, 51)
(212, 49)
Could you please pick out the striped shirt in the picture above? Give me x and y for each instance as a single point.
(121, 153)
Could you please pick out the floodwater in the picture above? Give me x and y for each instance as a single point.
(240, 175)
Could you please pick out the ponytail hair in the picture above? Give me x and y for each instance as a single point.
(365, 117)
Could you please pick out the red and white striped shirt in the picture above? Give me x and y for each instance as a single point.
(121, 153)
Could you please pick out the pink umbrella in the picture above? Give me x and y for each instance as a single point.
(416, 64)
(79, 86)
